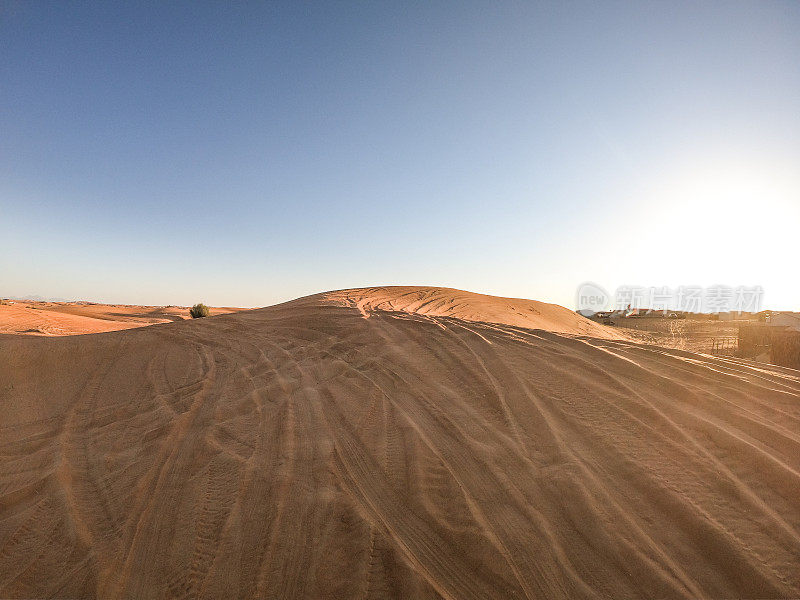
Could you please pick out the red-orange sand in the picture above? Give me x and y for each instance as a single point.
(74, 318)
(393, 443)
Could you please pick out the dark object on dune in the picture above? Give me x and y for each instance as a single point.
(199, 310)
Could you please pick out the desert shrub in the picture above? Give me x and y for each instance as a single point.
(199, 310)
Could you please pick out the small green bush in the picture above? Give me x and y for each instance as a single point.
(199, 310)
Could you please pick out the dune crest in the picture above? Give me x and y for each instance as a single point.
(437, 449)
(468, 306)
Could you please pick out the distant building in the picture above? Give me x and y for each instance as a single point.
(735, 316)
(789, 320)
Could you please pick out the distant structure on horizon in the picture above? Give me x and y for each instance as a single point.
(789, 320)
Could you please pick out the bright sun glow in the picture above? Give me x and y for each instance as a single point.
(732, 223)
(750, 201)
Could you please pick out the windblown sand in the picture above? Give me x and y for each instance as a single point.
(393, 442)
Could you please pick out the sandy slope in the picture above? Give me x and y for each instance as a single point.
(304, 451)
(75, 318)
(468, 306)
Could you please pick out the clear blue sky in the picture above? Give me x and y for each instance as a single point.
(249, 153)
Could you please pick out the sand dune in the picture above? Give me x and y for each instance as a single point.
(393, 442)
(468, 306)
(76, 318)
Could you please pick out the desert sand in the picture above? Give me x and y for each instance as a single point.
(76, 318)
(393, 442)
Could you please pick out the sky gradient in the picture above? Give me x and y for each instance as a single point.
(246, 154)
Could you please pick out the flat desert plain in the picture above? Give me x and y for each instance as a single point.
(393, 443)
